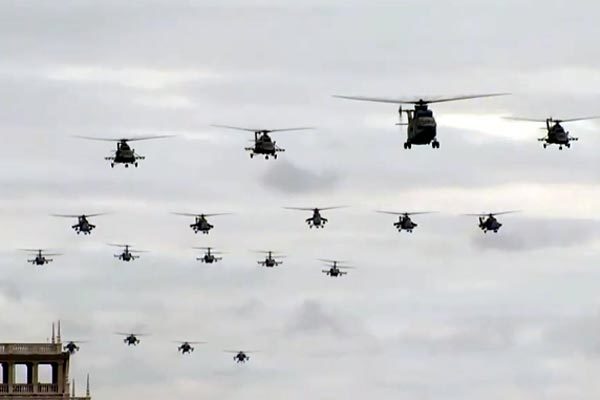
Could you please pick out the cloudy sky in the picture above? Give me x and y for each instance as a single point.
(446, 312)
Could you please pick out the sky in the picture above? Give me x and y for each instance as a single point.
(445, 312)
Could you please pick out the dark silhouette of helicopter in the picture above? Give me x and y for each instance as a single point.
(488, 221)
(421, 126)
(41, 258)
(125, 154)
(240, 356)
(186, 347)
(556, 134)
(270, 260)
(335, 269)
(209, 256)
(131, 339)
(83, 225)
(127, 254)
(263, 144)
(316, 221)
(405, 223)
(201, 224)
(72, 347)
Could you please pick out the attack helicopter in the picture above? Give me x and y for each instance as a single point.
(41, 258)
(72, 347)
(124, 154)
(240, 356)
(421, 125)
(83, 225)
(405, 223)
(316, 221)
(201, 224)
(556, 134)
(186, 347)
(131, 339)
(335, 269)
(210, 256)
(270, 260)
(488, 221)
(263, 144)
(127, 254)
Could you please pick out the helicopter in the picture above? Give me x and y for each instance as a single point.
(263, 144)
(124, 154)
(316, 221)
(240, 356)
(41, 257)
(405, 223)
(209, 257)
(335, 269)
(421, 126)
(127, 254)
(556, 134)
(488, 221)
(72, 347)
(83, 225)
(270, 260)
(201, 224)
(131, 339)
(186, 347)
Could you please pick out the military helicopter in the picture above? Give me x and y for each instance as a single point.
(201, 224)
(83, 225)
(210, 256)
(131, 339)
(488, 221)
(270, 260)
(556, 134)
(316, 221)
(72, 347)
(405, 223)
(240, 356)
(186, 347)
(127, 254)
(421, 126)
(124, 154)
(41, 257)
(335, 269)
(263, 144)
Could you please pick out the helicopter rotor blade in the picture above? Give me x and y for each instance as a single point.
(199, 214)
(406, 213)
(132, 139)
(419, 100)
(263, 130)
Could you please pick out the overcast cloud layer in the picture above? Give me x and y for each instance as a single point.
(444, 313)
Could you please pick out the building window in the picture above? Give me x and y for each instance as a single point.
(45, 373)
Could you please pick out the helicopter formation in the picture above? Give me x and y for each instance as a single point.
(184, 347)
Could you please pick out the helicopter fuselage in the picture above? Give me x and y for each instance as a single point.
(124, 155)
(557, 135)
(405, 223)
(241, 357)
(489, 224)
(185, 348)
(201, 225)
(131, 340)
(316, 221)
(421, 127)
(264, 145)
(83, 226)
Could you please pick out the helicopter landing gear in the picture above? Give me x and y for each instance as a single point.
(251, 155)
(112, 164)
(136, 164)
(435, 144)
(560, 147)
(545, 145)
(126, 165)
(568, 145)
(407, 146)
(275, 156)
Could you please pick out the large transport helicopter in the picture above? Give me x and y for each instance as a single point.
(125, 154)
(200, 224)
(40, 258)
(83, 225)
(263, 144)
(489, 222)
(317, 220)
(421, 125)
(556, 134)
(405, 223)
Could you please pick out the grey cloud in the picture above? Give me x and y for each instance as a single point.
(287, 177)
(312, 318)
